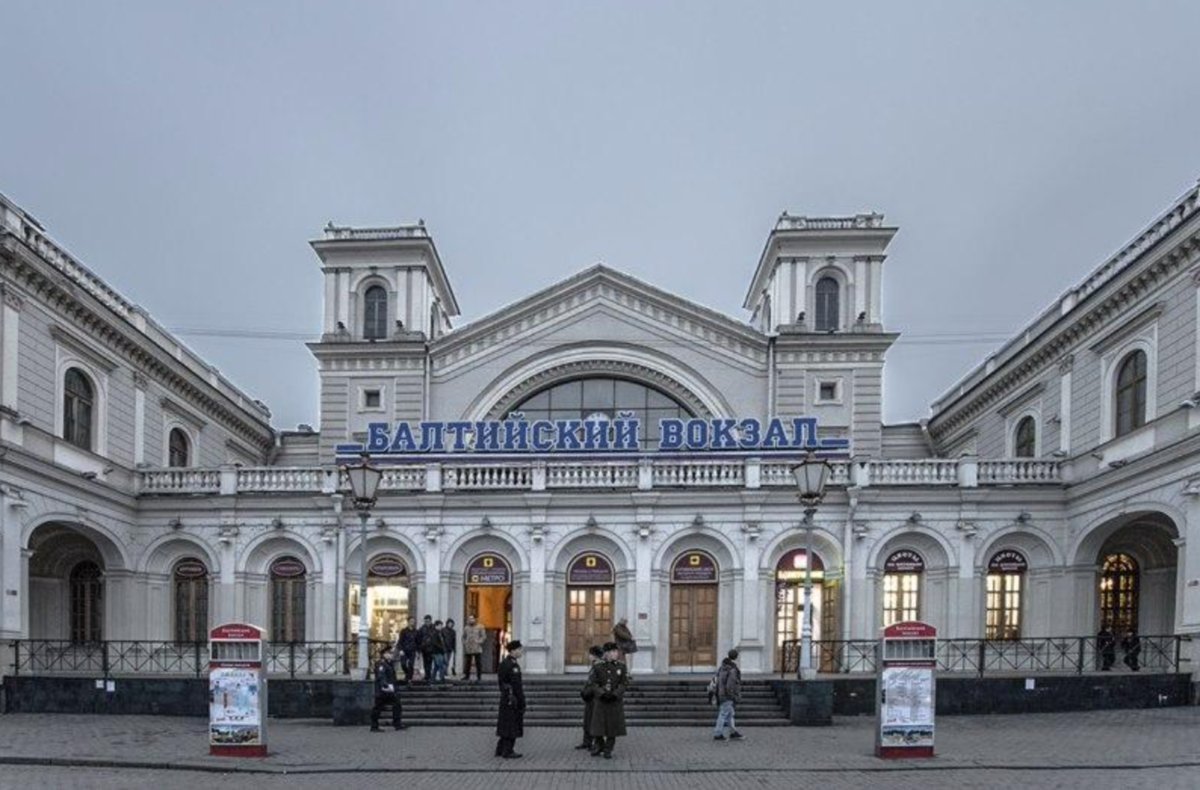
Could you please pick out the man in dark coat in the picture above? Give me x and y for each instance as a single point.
(1133, 650)
(1106, 646)
(589, 699)
(407, 644)
(385, 691)
(510, 723)
(426, 635)
(610, 678)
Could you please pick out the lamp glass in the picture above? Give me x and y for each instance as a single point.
(812, 475)
(364, 481)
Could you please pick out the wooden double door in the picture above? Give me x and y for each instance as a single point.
(589, 622)
(693, 626)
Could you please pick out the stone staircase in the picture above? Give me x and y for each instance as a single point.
(555, 702)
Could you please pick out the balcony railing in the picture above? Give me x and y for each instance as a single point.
(643, 473)
(142, 657)
(1046, 655)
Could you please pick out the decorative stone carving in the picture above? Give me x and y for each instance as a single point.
(1066, 364)
(752, 530)
(11, 298)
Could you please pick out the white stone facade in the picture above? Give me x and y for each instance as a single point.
(948, 489)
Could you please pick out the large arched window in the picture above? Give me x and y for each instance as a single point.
(1131, 393)
(1025, 441)
(190, 582)
(603, 399)
(902, 573)
(79, 402)
(827, 304)
(375, 313)
(1005, 588)
(178, 448)
(87, 603)
(289, 586)
(1119, 583)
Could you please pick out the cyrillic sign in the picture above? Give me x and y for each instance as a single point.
(620, 435)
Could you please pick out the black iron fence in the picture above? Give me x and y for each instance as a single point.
(143, 657)
(1055, 654)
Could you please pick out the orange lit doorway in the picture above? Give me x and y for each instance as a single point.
(489, 600)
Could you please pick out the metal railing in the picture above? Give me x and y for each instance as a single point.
(1051, 655)
(145, 657)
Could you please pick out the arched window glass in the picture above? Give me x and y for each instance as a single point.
(78, 402)
(1119, 583)
(1131, 393)
(827, 304)
(603, 399)
(178, 448)
(289, 589)
(87, 603)
(375, 313)
(1025, 442)
(1005, 588)
(190, 581)
(902, 587)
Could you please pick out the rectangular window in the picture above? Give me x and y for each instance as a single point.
(1003, 606)
(827, 391)
(372, 399)
(901, 597)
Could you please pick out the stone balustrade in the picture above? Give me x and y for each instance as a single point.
(643, 473)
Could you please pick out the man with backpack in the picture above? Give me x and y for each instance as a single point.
(728, 693)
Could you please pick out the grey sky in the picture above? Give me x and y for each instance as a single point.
(188, 151)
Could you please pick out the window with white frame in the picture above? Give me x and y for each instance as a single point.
(828, 391)
(375, 301)
(79, 405)
(1130, 395)
(1025, 437)
(372, 399)
(179, 448)
(1128, 378)
(827, 294)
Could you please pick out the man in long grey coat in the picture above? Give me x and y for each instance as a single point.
(609, 678)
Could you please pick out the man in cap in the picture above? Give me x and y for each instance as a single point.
(729, 694)
(510, 723)
(589, 699)
(385, 691)
(610, 678)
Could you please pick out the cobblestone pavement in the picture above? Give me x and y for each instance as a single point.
(1147, 748)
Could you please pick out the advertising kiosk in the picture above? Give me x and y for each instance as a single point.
(237, 691)
(906, 689)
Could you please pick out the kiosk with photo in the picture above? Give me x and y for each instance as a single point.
(237, 691)
(906, 696)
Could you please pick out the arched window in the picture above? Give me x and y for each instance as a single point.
(1131, 393)
(289, 591)
(902, 586)
(1119, 582)
(827, 304)
(1025, 442)
(79, 399)
(375, 313)
(1005, 585)
(87, 603)
(190, 581)
(178, 448)
(603, 399)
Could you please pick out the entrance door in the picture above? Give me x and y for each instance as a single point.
(589, 622)
(489, 601)
(694, 625)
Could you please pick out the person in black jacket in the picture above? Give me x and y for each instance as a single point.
(510, 723)
(589, 699)
(1106, 646)
(610, 678)
(385, 691)
(451, 646)
(425, 645)
(1133, 650)
(407, 645)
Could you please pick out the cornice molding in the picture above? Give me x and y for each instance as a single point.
(83, 348)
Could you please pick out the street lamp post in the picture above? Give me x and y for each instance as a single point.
(364, 484)
(812, 475)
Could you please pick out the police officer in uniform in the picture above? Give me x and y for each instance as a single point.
(385, 691)
(589, 699)
(510, 723)
(609, 678)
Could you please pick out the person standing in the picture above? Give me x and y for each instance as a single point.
(473, 637)
(1106, 646)
(438, 642)
(510, 722)
(451, 646)
(589, 699)
(1133, 650)
(729, 694)
(426, 647)
(610, 678)
(624, 639)
(406, 645)
(385, 691)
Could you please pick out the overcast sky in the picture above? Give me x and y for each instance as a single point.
(187, 152)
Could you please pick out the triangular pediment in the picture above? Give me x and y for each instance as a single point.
(600, 290)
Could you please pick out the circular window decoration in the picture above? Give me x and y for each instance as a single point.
(387, 566)
(694, 567)
(190, 568)
(1008, 561)
(591, 569)
(287, 568)
(904, 561)
(489, 570)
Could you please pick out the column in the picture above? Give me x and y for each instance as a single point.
(139, 419)
(12, 562)
(327, 622)
(1065, 367)
(539, 649)
(10, 313)
(642, 601)
(749, 622)
(1188, 567)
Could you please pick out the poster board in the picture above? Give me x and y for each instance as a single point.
(237, 691)
(906, 696)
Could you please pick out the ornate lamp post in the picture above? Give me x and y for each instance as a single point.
(812, 474)
(364, 483)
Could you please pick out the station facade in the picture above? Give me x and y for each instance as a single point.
(1051, 491)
